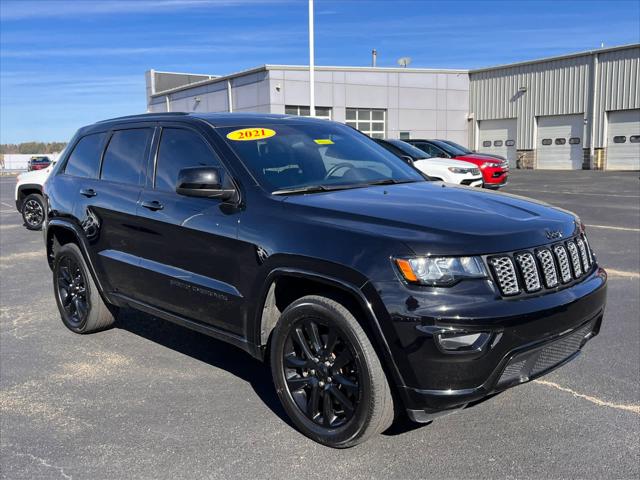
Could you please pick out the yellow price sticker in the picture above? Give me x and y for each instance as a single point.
(324, 141)
(245, 134)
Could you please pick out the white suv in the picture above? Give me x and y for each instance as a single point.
(29, 198)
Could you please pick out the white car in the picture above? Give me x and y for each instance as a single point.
(451, 171)
(29, 198)
(444, 169)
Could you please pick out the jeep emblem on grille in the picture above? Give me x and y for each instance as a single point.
(553, 234)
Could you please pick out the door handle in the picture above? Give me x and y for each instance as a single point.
(153, 205)
(88, 192)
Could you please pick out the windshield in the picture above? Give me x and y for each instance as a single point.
(457, 146)
(408, 149)
(447, 147)
(318, 156)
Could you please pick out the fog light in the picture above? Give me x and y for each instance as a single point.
(462, 342)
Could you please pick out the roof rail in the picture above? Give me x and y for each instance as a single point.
(143, 115)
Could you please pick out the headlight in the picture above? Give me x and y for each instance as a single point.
(487, 164)
(459, 170)
(440, 271)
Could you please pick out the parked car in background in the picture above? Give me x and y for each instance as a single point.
(466, 151)
(29, 196)
(301, 241)
(446, 170)
(495, 172)
(38, 163)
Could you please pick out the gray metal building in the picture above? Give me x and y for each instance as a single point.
(568, 112)
(382, 102)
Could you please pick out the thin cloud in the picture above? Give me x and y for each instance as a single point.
(18, 10)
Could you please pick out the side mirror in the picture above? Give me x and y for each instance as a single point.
(205, 182)
(407, 159)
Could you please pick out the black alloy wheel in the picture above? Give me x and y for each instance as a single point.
(321, 373)
(327, 373)
(72, 291)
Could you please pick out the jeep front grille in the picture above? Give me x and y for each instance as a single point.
(506, 274)
(563, 261)
(527, 272)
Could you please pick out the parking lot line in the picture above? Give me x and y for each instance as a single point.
(619, 273)
(626, 229)
(577, 193)
(589, 398)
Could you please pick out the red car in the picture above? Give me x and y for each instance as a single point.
(38, 163)
(495, 170)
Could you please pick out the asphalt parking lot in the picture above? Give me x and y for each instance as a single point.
(149, 399)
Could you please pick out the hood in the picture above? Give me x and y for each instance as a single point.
(479, 157)
(437, 218)
(444, 162)
(36, 176)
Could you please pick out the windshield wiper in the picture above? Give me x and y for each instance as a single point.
(391, 181)
(307, 189)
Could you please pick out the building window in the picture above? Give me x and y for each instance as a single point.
(634, 139)
(497, 143)
(405, 135)
(368, 121)
(486, 143)
(561, 141)
(510, 143)
(302, 111)
(619, 139)
(574, 141)
(547, 141)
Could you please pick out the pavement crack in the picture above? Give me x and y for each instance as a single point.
(589, 398)
(44, 463)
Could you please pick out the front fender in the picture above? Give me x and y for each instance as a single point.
(350, 282)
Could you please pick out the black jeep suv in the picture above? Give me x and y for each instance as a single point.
(370, 290)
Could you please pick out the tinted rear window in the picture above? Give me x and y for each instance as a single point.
(180, 149)
(84, 161)
(125, 156)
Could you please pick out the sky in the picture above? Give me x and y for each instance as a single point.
(65, 64)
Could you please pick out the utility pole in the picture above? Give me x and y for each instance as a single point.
(312, 93)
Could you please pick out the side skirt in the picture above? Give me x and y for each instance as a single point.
(214, 332)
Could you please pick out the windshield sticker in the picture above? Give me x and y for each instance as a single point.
(250, 134)
(323, 141)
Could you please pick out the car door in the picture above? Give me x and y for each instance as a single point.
(110, 215)
(190, 253)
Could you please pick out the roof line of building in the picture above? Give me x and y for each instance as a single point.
(557, 57)
(267, 67)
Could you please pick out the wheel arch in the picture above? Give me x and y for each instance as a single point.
(60, 232)
(27, 189)
(285, 285)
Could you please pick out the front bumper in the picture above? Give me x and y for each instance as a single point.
(527, 337)
(495, 177)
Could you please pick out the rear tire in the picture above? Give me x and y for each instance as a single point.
(328, 375)
(81, 307)
(32, 211)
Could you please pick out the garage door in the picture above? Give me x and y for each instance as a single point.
(499, 138)
(560, 142)
(623, 140)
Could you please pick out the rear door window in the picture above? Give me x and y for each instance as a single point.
(84, 161)
(125, 157)
(180, 148)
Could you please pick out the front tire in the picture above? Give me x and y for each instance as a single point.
(32, 211)
(328, 375)
(79, 302)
